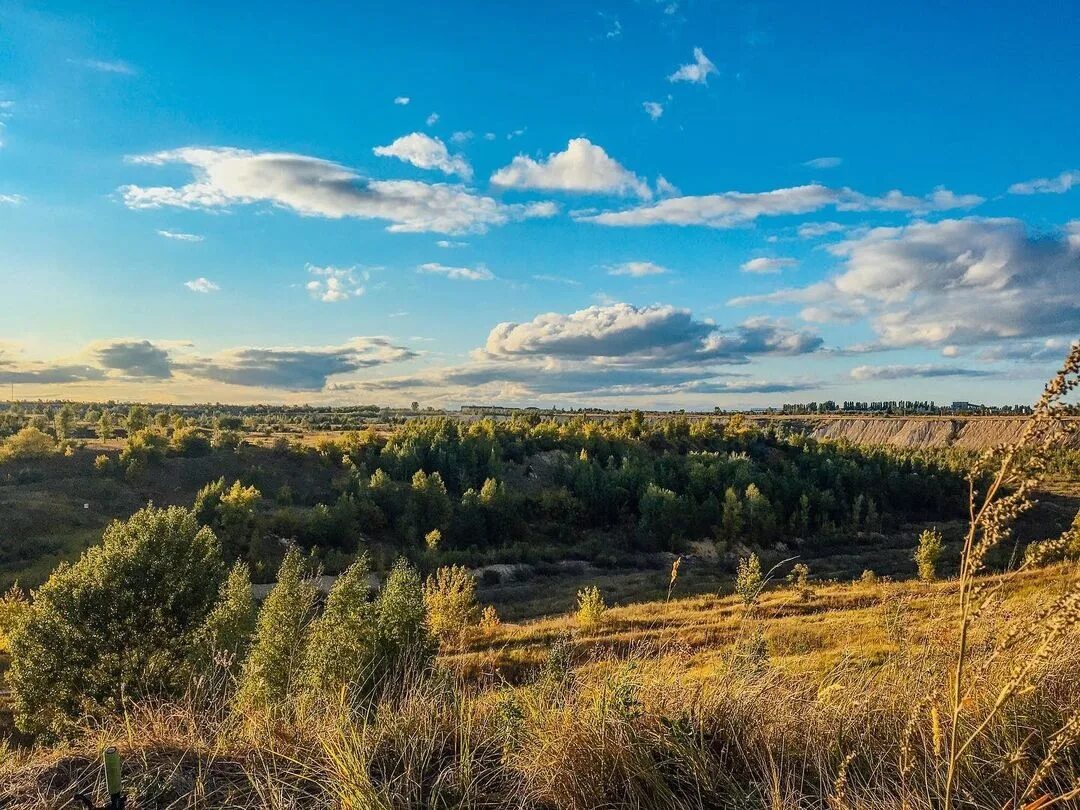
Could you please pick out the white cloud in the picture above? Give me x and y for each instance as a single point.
(447, 244)
(180, 236)
(432, 119)
(426, 152)
(106, 66)
(623, 334)
(824, 162)
(570, 282)
(665, 188)
(479, 273)
(313, 187)
(812, 230)
(732, 208)
(1048, 185)
(12, 199)
(402, 100)
(951, 283)
(202, 285)
(764, 264)
(654, 109)
(696, 72)
(865, 373)
(583, 167)
(334, 284)
(637, 269)
(462, 136)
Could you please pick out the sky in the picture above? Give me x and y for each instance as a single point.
(674, 204)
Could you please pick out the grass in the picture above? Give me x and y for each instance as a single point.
(658, 710)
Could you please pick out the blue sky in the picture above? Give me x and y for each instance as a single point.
(673, 204)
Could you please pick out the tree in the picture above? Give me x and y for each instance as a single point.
(137, 419)
(118, 623)
(225, 636)
(927, 555)
(341, 651)
(404, 643)
(27, 443)
(64, 422)
(450, 600)
(732, 519)
(273, 667)
(105, 427)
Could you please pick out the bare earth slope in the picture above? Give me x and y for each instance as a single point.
(966, 432)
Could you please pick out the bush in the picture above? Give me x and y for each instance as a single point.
(450, 600)
(799, 580)
(749, 580)
(928, 554)
(489, 619)
(119, 623)
(404, 643)
(591, 607)
(14, 607)
(27, 443)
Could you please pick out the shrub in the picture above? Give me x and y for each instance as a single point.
(450, 600)
(27, 443)
(928, 554)
(118, 623)
(433, 540)
(272, 669)
(102, 463)
(591, 607)
(749, 580)
(869, 577)
(799, 580)
(14, 607)
(489, 619)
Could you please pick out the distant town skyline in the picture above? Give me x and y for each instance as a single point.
(660, 205)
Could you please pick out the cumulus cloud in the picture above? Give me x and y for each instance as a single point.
(954, 282)
(654, 109)
(201, 285)
(623, 334)
(133, 358)
(764, 264)
(1051, 350)
(866, 373)
(697, 72)
(432, 119)
(314, 187)
(1048, 185)
(333, 284)
(733, 208)
(426, 152)
(294, 369)
(180, 236)
(638, 269)
(824, 162)
(17, 372)
(479, 273)
(583, 167)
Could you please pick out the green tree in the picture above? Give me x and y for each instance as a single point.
(27, 443)
(404, 642)
(64, 423)
(120, 622)
(927, 555)
(224, 638)
(341, 651)
(105, 427)
(732, 516)
(274, 665)
(137, 419)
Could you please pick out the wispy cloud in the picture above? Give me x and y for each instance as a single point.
(638, 269)
(824, 162)
(202, 285)
(764, 264)
(697, 72)
(479, 273)
(1048, 185)
(654, 109)
(116, 66)
(402, 100)
(180, 236)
